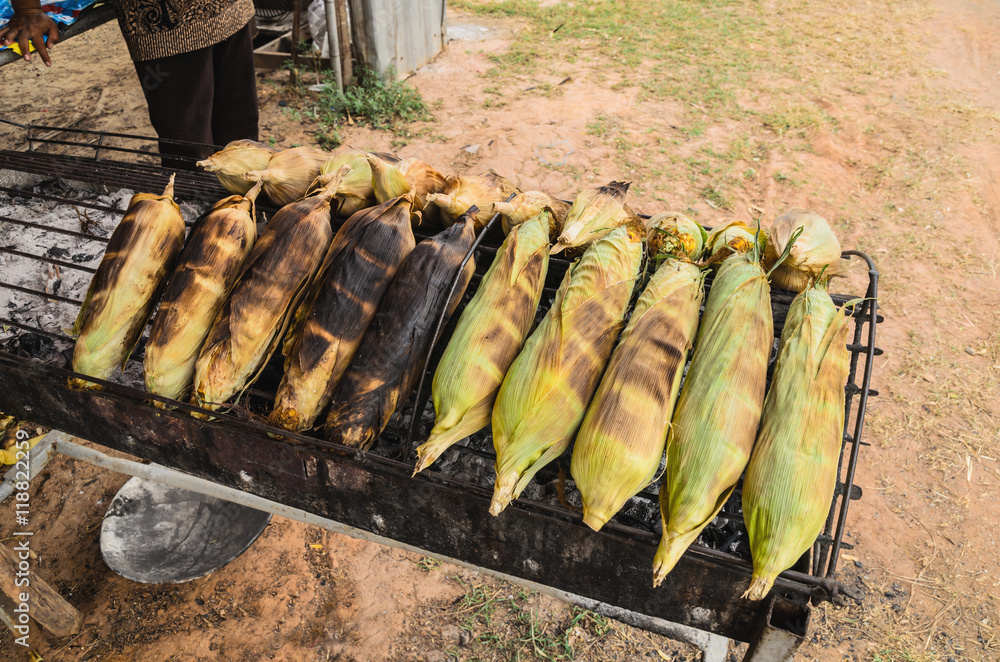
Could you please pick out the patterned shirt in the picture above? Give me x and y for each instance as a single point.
(156, 29)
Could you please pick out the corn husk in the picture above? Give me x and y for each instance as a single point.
(526, 206)
(674, 234)
(814, 252)
(733, 236)
(481, 191)
(139, 258)
(260, 307)
(620, 444)
(231, 163)
(289, 173)
(393, 351)
(792, 473)
(355, 191)
(545, 394)
(362, 261)
(596, 212)
(205, 274)
(394, 180)
(487, 339)
(715, 422)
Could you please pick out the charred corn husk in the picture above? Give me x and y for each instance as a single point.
(235, 160)
(488, 337)
(672, 234)
(355, 191)
(393, 180)
(525, 206)
(392, 352)
(139, 258)
(620, 443)
(793, 469)
(594, 213)
(259, 309)
(289, 173)
(715, 423)
(463, 192)
(357, 270)
(545, 393)
(205, 274)
(813, 252)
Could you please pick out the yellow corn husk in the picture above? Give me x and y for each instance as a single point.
(674, 234)
(620, 444)
(545, 393)
(792, 473)
(596, 212)
(461, 193)
(205, 274)
(235, 160)
(140, 255)
(814, 252)
(393, 351)
(260, 307)
(733, 236)
(355, 191)
(526, 206)
(715, 423)
(391, 181)
(363, 259)
(487, 339)
(289, 173)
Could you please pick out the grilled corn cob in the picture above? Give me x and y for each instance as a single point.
(361, 262)
(715, 423)
(814, 251)
(480, 191)
(393, 180)
(793, 469)
(206, 272)
(673, 234)
(258, 311)
(355, 191)
(487, 338)
(235, 160)
(525, 206)
(289, 173)
(594, 213)
(140, 255)
(545, 393)
(620, 443)
(391, 355)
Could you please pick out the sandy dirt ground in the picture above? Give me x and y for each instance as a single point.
(906, 165)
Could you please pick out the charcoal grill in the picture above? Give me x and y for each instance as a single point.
(539, 540)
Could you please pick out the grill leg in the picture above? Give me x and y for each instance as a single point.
(779, 633)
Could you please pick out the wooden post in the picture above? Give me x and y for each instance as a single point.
(45, 605)
(344, 32)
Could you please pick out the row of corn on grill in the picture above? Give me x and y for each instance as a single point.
(356, 310)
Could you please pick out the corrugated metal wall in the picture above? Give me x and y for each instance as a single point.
(404, 33)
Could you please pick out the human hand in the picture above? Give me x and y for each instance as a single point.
(30, 23)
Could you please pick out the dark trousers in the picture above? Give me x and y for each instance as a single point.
(206, 96)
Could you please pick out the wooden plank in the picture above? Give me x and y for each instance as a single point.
(44, 603)
(344, 36)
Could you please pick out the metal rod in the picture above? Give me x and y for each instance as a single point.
(50, 260)
(33, 329)
(46, 295)
(49, 228)
(418, 406)
(99, 146)
(56, 198)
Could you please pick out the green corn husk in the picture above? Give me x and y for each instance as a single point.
(236, 159)
(139, 258)
(733, 236)
(674, 234)
(715, 422)
(394, 180)
(260, 307)
(620, 444)
(207, 270)
(487, 339)
(815, 252)
(596, 212)
(289, 173)
(481, 191)
(355, 191)
(392, 352)
(362, 261)
(792, 473)
(545, 393)
(526, 206)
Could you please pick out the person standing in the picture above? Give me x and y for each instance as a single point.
(193, 58)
